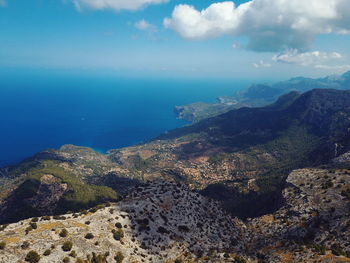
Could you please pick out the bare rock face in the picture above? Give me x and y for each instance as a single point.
(342, 159)
(160, 222)
(314, 223)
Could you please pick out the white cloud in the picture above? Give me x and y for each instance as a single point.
(270, 25)
(262, 64)
(3, 3)
(306, 58)
(337, 68)
(144, 25)
(236, 45)
(115, 4)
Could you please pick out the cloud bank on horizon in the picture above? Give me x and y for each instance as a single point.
(115, 4)
(269, 25)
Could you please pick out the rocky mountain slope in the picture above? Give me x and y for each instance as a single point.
(259, 95)
(166, 222)
(247, 160)
(158, 222)
(240, 158)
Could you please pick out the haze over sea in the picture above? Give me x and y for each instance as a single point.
(46, 110)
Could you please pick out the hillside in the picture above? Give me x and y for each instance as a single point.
(244, 155)
(161, 222)
(259, 95)
(165, 222)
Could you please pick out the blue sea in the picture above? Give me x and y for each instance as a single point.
(46, 110)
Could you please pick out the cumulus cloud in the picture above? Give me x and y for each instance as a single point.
(262, 64)
(115, 4)
(270, 25)
(306, 58)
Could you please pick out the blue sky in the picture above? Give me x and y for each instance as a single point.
(97, 35)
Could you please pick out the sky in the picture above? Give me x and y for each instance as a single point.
(187, 38)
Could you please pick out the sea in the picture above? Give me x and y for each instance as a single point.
(43, 110)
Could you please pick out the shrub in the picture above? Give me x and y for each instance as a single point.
(46, 218)
(47, 252)
(337, 250)
(66, 260)
(73, 254)
(320, 249)
(28, 229)
(239, 259)
(25, 245)
(327, 184)
(67, 246)
(33, 225)
(346, 193)
(59, 217)
(89, 236)
(118, 225)
(183, 228)
(118, 234)
(119, 257)
(32, 257)
(162, 230)
(64, 233)
(3, 227)
(2, 245)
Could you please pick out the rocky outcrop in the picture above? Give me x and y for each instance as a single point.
(314, 223)
(158, 222)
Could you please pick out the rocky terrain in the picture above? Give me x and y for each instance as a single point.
(158, 222)
(258, 95)
(312, 226)
(166, 222)
(240, 158)
(266, 184)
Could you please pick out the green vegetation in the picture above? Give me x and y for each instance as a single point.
(73, 254)
(346, 193)
(32, 257)
(47, 252)
(80, 195)
(25, 245)
(118, 234)
(239, 259)
(320, 249)
(183, 229)
(64, 233)
(89, 236)
(218, 158)
(118, 225)
(3, 227)
(119, 257)
(337, 250)
(33, 225)
(66, 260)
(67, 246)
(2, 245)
(327, 184)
